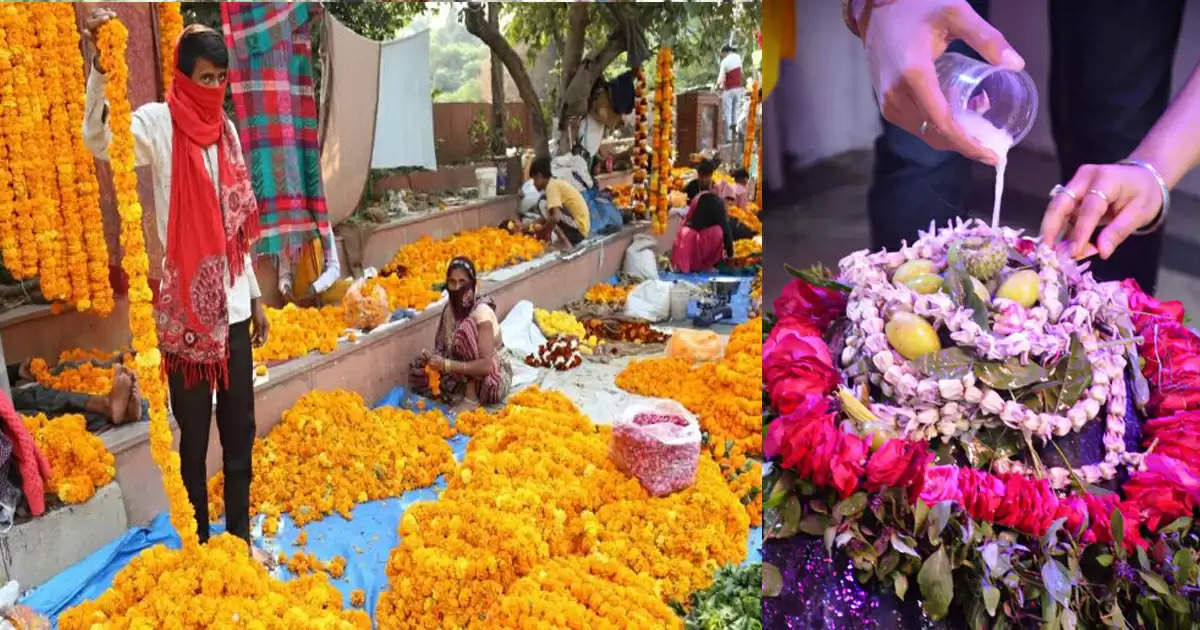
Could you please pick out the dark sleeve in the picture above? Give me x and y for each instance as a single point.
(14, 373)
(728, 231)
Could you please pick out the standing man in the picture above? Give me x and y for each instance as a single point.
(207, 305)
(729, 81)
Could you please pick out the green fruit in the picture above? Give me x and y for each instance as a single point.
(1021, 287)
(981, 290)
(953, 253)
(912, 269)
(911, 335)
(984, 257)
(925, 283)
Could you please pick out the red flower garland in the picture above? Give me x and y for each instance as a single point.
(806, 439)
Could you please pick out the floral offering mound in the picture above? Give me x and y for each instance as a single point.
(296, 331)
(560, 352)
(330, 452)
(85, 378)
(79, 462)
(537, 504)
(979, 442)
(556, 323)
(624, 330)
(217, 586)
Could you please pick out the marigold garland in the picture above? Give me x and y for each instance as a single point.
(748, 216)
(435, 380)
(86, 378)
(170, 27)
(664, 143)
(751, 140)
(10, 154)
(536, 505)
(112, 41)
(216, 586)
(330, 452)
(79, 463)
(25, 152)
(50, 129)
(639, 197)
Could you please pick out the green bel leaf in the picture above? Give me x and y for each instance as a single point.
(852, 505)
(1154, 581)
(946, 363)
(1117, 524)
(1010, 374)
(937, 584)
(772, 580)
(900, 582)
(991, 599)
(1058, 585)
(1076, 374)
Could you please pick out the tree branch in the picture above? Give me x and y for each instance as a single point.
(477, 24)
(576, 36)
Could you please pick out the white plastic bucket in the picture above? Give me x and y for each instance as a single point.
(680, 294)
(485, 178)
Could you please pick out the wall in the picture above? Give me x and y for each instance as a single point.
(452, 128)
(824, 104)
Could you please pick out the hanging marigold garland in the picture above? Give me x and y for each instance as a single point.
(170, 26)
(663, 145)
(47, 217)
(86, 188)
(9, 156)
(751, 140)
(24, 151)
(113, 39)
(641, 150)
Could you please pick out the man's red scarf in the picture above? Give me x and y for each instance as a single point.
(207, 237)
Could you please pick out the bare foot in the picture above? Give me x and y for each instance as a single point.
(118, 398)
(134, 410)
(262, 557)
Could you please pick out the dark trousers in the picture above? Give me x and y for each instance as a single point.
(192, 408)
(1110, 80)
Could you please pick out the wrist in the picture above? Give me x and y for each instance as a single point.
(1161, 161)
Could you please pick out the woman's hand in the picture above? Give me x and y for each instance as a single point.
(438, 363)
(1123, 196)
(902, 41)
(90, 28)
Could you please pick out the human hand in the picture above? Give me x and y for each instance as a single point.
(258, 325)
(1123, 196)
(91, 27)
(437, 362)
(902, 40)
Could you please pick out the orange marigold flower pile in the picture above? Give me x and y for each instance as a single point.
(748, 216)
(296, 331)
(216, 586)
(330, 452)
(79, 463)
(743, 474)
(745, 247)
(604, 293)
(538, 528)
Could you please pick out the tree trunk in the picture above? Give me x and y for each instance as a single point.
(499, 142)
(580, 75)
(477, 24)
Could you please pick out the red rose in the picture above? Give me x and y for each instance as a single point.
(819, 452)
(1164, 491)
(982, 493)
(941, 484)
(1075, 510)
(812, 408)
(1146, 309)
(1029, 505)
(804, 301)
(1178, 436)
(796, 366)
(900, 463)
(1026, 246)
(792, 326)
(1169, 349)
(1101, 510)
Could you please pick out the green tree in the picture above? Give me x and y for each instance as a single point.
(589, 37)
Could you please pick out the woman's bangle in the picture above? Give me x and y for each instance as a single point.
(1162, 187)
(449, 366)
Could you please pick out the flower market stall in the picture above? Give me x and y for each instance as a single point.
(973, 432)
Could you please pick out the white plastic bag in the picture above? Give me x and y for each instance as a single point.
(530, 196)
(519, 332)
(650, 300)
(640, 261)
(657, 441)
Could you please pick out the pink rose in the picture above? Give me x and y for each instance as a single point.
(941, 484)
(900, 463)
(792, 326)
(1178, 436)
(804, 301)
(795, 366)
(812, 408)
(1147, 309)
(1164, 491)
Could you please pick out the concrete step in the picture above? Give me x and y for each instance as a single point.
(37, 550)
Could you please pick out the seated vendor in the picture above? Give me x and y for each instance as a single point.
(314, 271)
(566, 210)
(735, 195)
(468, 349)
(705, 238)
(124, 403)
(703, 181)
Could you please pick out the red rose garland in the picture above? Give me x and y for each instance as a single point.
(796, 364)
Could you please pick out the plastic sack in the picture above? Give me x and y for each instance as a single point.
(518, 330)
(640, 261)
(695, 346)
(650, 300)
(658, 442)
(365, 306)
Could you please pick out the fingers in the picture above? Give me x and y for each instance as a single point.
(1091, 208)
(1063, 206)
(967, 25)
(927, 94)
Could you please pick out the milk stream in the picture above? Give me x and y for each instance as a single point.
(994, 138)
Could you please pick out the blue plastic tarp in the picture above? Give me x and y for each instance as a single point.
(365, 540)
